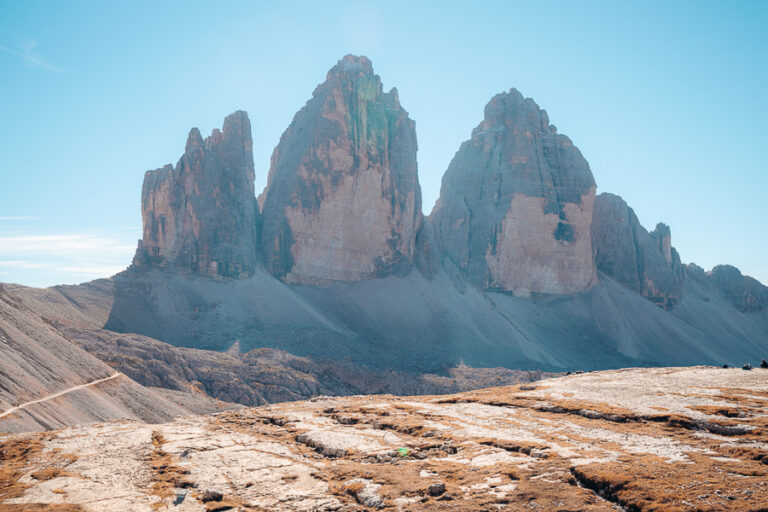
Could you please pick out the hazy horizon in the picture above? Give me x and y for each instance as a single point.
(666, 102)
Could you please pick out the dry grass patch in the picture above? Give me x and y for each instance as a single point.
(50, 473)
(467, 488)
(166, 475)
(720, 410)
(41, 507)
(744, 452)
(512, 446)
(646, 482)
(403, 422)
(14, 456)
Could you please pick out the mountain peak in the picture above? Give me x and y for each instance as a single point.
(201, 214)
(194, 141)
(343, 201)
(515, 204)
(352, 64)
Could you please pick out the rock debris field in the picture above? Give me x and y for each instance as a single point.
(636, 439)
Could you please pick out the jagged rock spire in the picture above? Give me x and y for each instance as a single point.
(201, 215)
(343, 201)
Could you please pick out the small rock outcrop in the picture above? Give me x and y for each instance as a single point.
(744, 292)
(515, 205)
(343, 201)
(201, 215)
(644, 262)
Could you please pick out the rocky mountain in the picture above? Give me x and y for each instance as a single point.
(744, 292)
(335, 283)
(515, 206)
(637, 439)
(202, 214)
(343, 201)
(519, 265)
(643, 262)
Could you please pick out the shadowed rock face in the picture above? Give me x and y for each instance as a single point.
(46, 381)
(744, 292)
(343, 201)
(643, 262)
(515, 205)
(201, 215)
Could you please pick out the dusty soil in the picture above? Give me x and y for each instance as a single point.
(637, 439)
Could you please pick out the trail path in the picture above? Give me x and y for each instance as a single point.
(55, 395)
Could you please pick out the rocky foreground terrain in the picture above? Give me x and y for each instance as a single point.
(636, 439)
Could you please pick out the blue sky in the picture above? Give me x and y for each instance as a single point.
(667, 100)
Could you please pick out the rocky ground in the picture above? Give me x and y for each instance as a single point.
(48, 382)
(636, 439)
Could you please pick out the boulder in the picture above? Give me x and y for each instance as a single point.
(436, 489)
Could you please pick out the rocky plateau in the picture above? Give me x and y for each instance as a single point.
(636, 439)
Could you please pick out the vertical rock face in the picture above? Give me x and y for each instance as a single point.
(644, 262)
(516, 202)
(201, 214)
(343, 201)
(744, 292)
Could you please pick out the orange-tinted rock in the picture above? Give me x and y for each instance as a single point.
(644, 262)
(343, 201)
(515, 205)
(201, 215)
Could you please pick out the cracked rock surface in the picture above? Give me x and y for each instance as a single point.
(637, 439)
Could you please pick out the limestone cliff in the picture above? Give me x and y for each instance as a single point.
(744, 292)
(515, 205)
(201, 215)
(644, 262)
(343, 201)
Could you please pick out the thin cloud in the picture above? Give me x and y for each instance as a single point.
(47, 259)
(91, 269)
(23, 265)
(32, 58)
(16, 217)
(58, 244)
